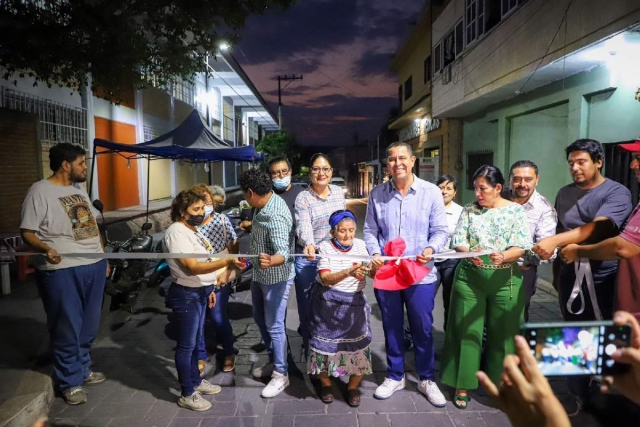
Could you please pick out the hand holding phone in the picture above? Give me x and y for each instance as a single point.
(628, 383)
(524, 394)
(577, 348)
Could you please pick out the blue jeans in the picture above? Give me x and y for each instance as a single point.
(219, 316)
(72, 298)
(189, 306)
(419, 300)
(306, 273)
(269, 313)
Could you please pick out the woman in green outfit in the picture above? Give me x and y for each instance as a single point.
(488, 286)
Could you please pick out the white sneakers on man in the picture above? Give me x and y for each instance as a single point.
(433, 393)
(276, 386)
(388, 387)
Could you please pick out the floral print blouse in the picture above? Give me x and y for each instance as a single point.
(493, 229)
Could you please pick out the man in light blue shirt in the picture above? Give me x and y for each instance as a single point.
(413, 209)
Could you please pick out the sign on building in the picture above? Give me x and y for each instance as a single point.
(429, 168)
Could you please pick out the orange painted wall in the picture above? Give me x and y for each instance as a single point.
(117, 184)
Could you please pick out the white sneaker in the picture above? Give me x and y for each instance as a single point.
(433, 393)
(387, 388)
(195, 402)
(277, 384)
(206, 387)
(264, 371)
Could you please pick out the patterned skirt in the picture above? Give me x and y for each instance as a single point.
(340, 332)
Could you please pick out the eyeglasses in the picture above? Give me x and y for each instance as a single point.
(281, 173)
(317, 170)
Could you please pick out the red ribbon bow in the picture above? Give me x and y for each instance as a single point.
(399, 274)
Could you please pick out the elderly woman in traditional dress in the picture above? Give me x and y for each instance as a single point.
(339, 324)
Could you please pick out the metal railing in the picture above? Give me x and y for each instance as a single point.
(58, 122)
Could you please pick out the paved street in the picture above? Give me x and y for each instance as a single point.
(136, 353)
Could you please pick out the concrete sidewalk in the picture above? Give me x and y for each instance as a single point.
(136, 353)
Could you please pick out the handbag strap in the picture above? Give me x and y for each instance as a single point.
(224, 229)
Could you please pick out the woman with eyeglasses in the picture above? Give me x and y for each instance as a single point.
(339, 347)
(217, 229)
(313, 208)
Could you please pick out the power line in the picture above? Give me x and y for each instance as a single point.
(548, 48)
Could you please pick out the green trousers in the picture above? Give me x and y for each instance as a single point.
(477, 294)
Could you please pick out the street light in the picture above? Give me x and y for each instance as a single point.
(224, 46)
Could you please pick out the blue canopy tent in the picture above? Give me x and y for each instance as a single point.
(192, 141)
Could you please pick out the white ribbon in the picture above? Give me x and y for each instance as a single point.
(163, 255)
(583, 272)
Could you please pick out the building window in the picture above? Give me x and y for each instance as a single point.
(427, 69)
(474, 19)
(400, 96)
(58, 122)
(459, 35)
(184, 91)
(508, 6)
(437, 59)
(150, 133)
(474, 161)
(408, 88)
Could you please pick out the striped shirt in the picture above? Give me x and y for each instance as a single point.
(542, 221)
(313, 212)
(335, 265)
(272, 233)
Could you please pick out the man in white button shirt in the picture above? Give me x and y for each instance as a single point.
(541, 218)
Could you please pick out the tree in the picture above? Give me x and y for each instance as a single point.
(280, 143)
(120, 43)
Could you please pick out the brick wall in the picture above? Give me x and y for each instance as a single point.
(20, 164)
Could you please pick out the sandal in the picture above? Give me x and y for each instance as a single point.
(326, 394)
(461, 398)
(353, 398)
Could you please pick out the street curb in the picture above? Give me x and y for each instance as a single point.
(32, 400)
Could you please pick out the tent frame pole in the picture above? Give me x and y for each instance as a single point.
(148, 183)
(94, 160)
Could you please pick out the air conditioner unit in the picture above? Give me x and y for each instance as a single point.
(446, 74)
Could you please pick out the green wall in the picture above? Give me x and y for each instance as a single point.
(538, 125)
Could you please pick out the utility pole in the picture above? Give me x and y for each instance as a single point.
(280, 79)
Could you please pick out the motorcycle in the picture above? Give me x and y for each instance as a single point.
(127, 275)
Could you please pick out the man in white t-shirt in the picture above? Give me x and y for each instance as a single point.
(57, 217)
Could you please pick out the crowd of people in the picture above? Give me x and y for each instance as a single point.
(511, 226)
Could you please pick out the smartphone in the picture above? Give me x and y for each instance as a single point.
(577, 348)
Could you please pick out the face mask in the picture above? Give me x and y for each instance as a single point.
(195, 220)
(208, 210)
(281, 183)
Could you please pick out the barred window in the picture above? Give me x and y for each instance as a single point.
(58, 122)
(150, 133)
(474, 161)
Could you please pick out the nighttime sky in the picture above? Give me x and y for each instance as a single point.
(344, 49)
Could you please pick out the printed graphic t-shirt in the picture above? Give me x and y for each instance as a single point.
(628, 281)
(63, 218)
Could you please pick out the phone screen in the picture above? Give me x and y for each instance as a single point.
(566, 350)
